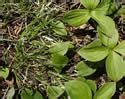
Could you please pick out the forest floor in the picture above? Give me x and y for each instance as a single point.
(25, 68)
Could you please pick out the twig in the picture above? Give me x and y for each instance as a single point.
(4, 96)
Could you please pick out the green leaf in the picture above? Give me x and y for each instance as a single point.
(78, 90)
(95, 43)
(101, 10)
(109, 41)
(37, 95)
(61, 48)
(120, 48)
(114, 66)
(4, 72)
(59, 61)
(59, 28)
(105, 23)
(54, 92)
(80, 78)
(103, 7)
(11, 93)
(77, 17)
(30, 94)
(124, 68)
(27, 94)
(104, 2)
(114, 8)
(83, 69)
(92, 85)
(90, 4)
(106, 91)
(94, 54)
(108, 98)
(108, 6)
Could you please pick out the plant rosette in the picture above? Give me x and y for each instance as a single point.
(115, 64)
(96, 10)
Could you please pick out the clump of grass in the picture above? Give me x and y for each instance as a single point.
(27, 55)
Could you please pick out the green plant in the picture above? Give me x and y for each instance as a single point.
(42, 54)
(31, 49)
(105, 47)
(108, 36)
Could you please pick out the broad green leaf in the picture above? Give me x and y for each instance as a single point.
(94, 54)
(61, 48)
(37, 95)
(124, 68)
(27, 94)
(4, 72)
(109, 41)
(104, 6)
(114, 7)
(92, 85)
(30, 94)
(77, 17)
(108, 98)
(120, 11)
(80, 78)
(59, 28)
(114, 66)
(120, 48)
(105, 23)
(106, 91)
(90, 4)
(59, 61)
(10, 93)
(54, 92)
(101, 10)
(95, 43)
(104, 2)
(83, 69)
(78, 90)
